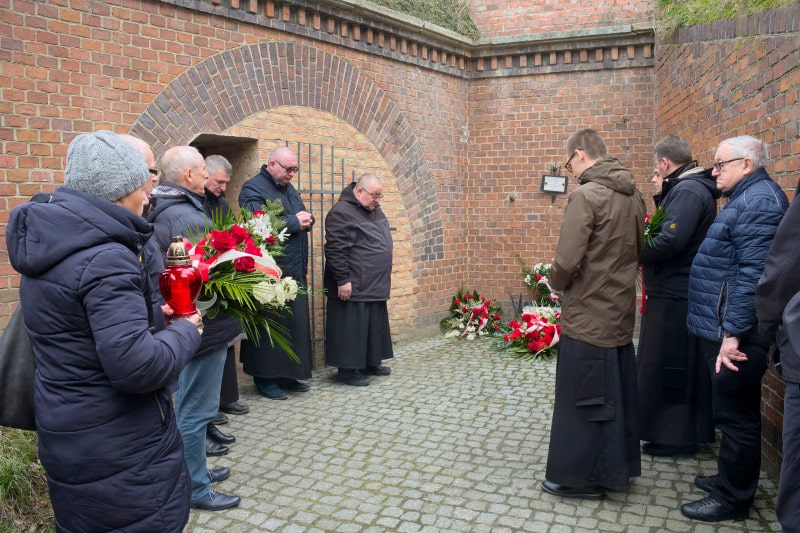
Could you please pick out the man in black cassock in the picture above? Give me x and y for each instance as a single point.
(594, 442)
(358, 280)
(274, 374)
(674, 381)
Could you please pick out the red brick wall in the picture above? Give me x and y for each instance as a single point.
(169, 73)
(517, 127)
(739, 77)
(525, 17)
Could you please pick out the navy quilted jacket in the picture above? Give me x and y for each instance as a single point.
(108, 439)
(726, 269)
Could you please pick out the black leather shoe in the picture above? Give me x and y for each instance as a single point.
(710, 510)
(294, 386)
(352, 378)
(705, 483)
(216, 501)
(220, 419)
(587, 493)
(665, 450)
(215, 449)
(235, 408)
(379, 370)
(217, 436)
(219, 474)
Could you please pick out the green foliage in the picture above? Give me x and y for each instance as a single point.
(672, 14)
(24, 503)
(450, 14)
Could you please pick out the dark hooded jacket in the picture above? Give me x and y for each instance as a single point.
(730, 261)
(294, 257)
(597, 257)
(108, 439)
(358, 249)
(180, 211)
(779, 283)
(689, 199)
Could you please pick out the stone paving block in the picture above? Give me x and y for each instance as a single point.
(455, 439)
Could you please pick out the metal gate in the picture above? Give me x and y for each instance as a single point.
(320, 181)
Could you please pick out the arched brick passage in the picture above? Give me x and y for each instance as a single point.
(225, 89)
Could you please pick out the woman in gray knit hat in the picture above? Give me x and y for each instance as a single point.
(108, 439)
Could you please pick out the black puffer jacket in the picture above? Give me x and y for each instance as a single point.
(689, 200)
(107, 432)
(180, 211)
(262, 186)
(358, 249)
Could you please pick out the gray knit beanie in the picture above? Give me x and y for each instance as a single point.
(104, 165)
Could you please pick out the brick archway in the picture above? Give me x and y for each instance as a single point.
(223, 90)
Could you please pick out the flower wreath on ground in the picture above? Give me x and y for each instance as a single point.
(236, 259)
(536, 334)
(471, 315)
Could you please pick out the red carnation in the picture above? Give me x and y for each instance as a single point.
(258, 213)
(222, 241)
(244, 264)
(252, 249)
(469, 297)
(239, 233)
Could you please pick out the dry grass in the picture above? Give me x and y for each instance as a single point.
(24, 502)
(450, 14)
(672, 14)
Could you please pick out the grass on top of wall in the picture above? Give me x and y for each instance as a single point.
(450, 14)
(673, 14)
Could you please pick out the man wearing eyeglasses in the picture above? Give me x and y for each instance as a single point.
(358, 281)
(274, 374)
(594, 444)
(722, 312)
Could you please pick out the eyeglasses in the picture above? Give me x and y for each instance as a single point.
(719, 165)
(154, 171)
(289, 170)
(568, 164)
(375, 196)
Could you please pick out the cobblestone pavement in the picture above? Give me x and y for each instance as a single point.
(454, 440)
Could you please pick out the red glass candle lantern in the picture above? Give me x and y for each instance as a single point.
(180, 282)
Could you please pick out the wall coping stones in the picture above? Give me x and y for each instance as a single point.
(377, 30)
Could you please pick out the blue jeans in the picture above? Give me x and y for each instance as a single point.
(196, 405)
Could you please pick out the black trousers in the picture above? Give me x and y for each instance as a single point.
(788, 505)
(229, 390)
(737, 414)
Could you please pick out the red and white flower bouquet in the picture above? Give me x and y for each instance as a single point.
(471, 315)
(535, 336)
(235, 257)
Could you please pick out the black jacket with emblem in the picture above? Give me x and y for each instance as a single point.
(688, 199)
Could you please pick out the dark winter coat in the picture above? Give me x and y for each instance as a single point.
(108, 439)
(781, 281)
(689, 204)
(261, 187)
(597, 258)
(180, 211)
(358, 249)
(731, 259)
